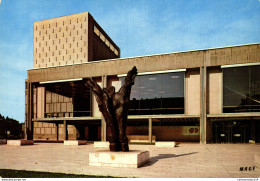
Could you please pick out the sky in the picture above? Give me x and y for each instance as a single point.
(138, 27)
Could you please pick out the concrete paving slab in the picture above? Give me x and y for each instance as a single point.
(101, 144)
(183, 161)
(19, 142)
(75, 142)
(165, 143)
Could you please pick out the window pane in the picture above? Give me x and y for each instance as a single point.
(157, 94)
(173, 93)
(241, 89)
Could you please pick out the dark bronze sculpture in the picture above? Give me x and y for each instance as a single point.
(114, 107)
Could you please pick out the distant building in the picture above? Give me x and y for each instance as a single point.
(210, 95)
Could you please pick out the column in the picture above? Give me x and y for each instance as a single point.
(203, 99)
(103, 122)
(57, 131)
(29, 124)
(150, 130)
(103, 129)
(65, 130)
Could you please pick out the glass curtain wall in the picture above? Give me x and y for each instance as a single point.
(241, 89)
(67, 99)
(157, 94)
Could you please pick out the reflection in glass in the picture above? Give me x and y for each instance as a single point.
(157, 94)
(241, 89)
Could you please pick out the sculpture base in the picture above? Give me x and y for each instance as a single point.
(19, 142)
(131, 159)
(2, 142)
(165, 143)
(101, 144)
(75, 142)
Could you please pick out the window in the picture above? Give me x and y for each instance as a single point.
(157, 94)
(241, 89)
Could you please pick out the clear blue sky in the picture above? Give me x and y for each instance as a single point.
(137, 27)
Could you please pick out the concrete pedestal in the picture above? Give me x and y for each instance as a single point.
(165, 143)
(19, 142)
(131, 159)
(75, 142)
(2, 142)
(101, 144)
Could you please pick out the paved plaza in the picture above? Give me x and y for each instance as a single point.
(185, 160)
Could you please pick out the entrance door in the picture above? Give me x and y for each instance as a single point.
(238, 131)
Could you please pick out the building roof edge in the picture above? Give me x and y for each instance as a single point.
(122, 58)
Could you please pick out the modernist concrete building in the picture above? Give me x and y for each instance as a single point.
(206, 96)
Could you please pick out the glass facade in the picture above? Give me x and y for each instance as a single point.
(157, 94)
(241, 89)
(67, 99)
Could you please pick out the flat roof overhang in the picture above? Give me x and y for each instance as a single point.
(66, 118)
(171, 118)
(171, 61)
(71, 120)
(234, 116)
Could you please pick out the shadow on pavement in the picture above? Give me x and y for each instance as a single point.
(164, 156)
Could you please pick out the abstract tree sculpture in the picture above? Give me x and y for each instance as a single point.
(114, 107)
